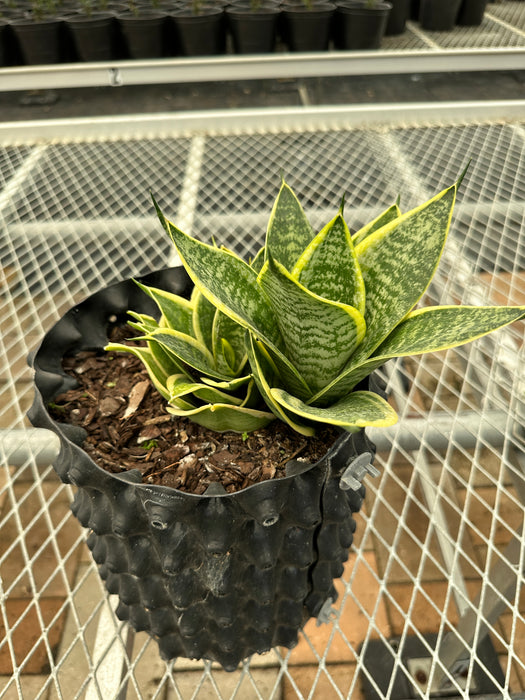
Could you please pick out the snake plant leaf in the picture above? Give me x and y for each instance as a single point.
(435, 328)
(179, 385)
(393, 212)
(228, 282)
(264, 372)
(354, 411)
(319, 334)
(430, 329)
(177, 311)
(328, 266)
(143, 322)
(258, 261)
(253, 396)
(203, 316)
(289, 231)
(228, 342)
(398, 262)
(290, 376)
(224, 417)
(232, 384)
(167, 360)
(155, 371)
(187, 349)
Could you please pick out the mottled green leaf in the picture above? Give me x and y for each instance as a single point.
(398, 262)
(358, 409)
(222, 417)
(253, 398)
(143, 322)
(228, 282)
(177, 311)
(429, 329)
(229, 385)
(384, 218)
(167, 360)
(258, 261)
(289, 231)
(328, 266)
(288, 373)
(229, 348)
(203, 315)
(264, 373)
(435, 328)
(189, 350)
(319, 334)
(179, 385)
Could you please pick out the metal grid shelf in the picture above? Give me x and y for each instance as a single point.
(439, 549)
(498, 44)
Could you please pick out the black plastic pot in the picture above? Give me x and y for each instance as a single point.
(200, 34)
(438, 16)
(398, 16)
(4, 39)
(359, 27)
(308, 28)
(93, 35)
(253, 31)
(471, 13)
(143, 32)
(414, 9)
(38, 40)
(218, 576)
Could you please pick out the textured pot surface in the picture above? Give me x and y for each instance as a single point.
(471, 13)
(397, 17)
(358, 27)
(308, 28)
(253, 31)
(39, 41)
(200, 35)
(219, 576)
(93, 35)
(435, 15)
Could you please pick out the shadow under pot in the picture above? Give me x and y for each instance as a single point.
(93, 35)
(307, 28)
(143, 33)
(199, 33)
(38, 40)
(358, 27)
(253, 30)
(220, 575)
(438, 16)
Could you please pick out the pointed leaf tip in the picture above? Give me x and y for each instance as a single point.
(462, 174)
(160, 215)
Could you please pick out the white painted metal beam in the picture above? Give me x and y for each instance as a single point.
(257, 119)
(256, 67)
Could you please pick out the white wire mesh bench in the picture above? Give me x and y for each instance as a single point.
(438, 560)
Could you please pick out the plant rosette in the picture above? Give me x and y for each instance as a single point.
(289, 336)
